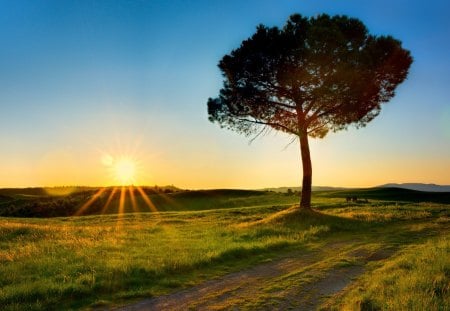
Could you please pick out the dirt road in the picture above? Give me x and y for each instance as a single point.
(299, 281)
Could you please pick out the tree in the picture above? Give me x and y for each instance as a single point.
(313, 76)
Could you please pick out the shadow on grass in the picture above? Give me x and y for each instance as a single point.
(296, 218)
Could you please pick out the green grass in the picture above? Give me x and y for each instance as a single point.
(418, 278)
(45, 261)
(75, 262)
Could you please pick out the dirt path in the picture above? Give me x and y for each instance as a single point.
(296, 282)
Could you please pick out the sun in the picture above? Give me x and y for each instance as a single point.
(124, 170)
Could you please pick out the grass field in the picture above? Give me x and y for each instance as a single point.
(416, 279)
(107, 260)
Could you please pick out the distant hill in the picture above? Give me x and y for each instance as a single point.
(409, 186)
(418, 187)
(36, 203)
(314, 188)
(390, 194)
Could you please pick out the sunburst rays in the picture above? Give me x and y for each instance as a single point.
(127, 196)
(125, 168)
(147, 200)
(133, 199)
(86, 205)
(110, 198)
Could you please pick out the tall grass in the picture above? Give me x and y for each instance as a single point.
(73, 262)
(77, 261)
(417, 279)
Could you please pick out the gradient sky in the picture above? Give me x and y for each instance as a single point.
(85, 80)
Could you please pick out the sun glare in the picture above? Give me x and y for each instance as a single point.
(124, 170)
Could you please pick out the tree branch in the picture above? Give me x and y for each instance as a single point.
(281, 104)
(272, 124)
(264, 129)
(290, 143)
(319, 114)
(279, 90)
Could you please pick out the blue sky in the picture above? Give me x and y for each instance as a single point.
(82, 78)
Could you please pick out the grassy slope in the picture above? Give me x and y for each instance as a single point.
(18, 204)
(390, 194)
(36, 202)
(79, 261)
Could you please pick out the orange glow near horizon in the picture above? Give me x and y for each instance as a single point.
(264, 164)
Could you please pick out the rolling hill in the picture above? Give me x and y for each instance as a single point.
(419, 187)
(36, 202)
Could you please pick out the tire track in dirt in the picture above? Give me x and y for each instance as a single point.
(253, 288)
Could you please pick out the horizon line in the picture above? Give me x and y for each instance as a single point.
(231, 188)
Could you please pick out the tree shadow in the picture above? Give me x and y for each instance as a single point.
(297, 218)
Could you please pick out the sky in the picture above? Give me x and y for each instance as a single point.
(85, 85)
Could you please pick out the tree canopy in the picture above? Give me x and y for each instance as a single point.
(313, 76)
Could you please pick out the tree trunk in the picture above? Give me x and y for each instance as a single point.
(305, 201)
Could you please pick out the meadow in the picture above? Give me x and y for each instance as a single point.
(103, 261)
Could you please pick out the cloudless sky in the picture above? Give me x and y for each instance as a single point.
(85, 80)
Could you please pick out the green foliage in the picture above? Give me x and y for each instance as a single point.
(313, 75)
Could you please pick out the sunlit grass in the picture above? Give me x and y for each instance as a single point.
(44, 261)
(77, 261)
(416, 279)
